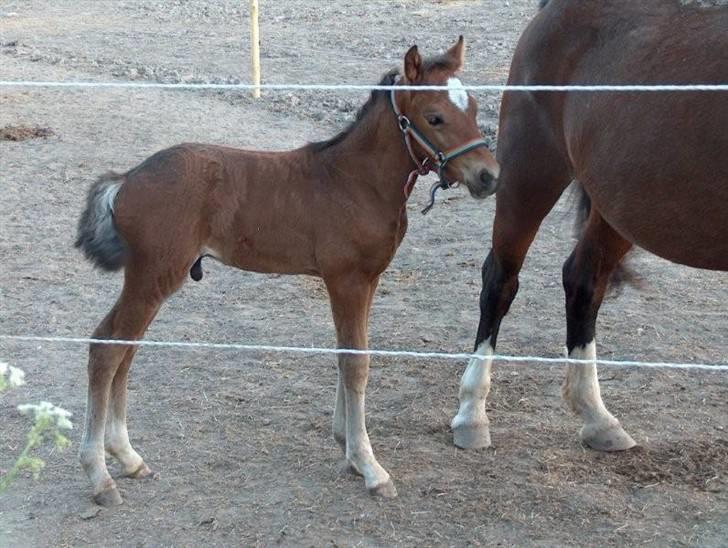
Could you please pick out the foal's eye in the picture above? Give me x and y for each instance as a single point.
(434, 119)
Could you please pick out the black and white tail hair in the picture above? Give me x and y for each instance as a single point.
(97, 236)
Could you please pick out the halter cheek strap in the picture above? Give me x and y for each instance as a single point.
(440, 158)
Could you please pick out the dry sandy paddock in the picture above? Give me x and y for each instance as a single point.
(242, 440)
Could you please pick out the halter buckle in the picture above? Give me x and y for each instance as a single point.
(404, 123)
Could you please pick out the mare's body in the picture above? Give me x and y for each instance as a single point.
(653, 167)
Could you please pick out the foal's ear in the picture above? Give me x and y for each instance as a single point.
(413, 64)
(457, 53)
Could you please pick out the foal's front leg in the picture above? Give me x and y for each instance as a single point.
(350, 300)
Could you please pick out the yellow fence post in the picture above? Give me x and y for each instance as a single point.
(255, 47)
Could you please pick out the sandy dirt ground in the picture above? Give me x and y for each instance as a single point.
(242, 441)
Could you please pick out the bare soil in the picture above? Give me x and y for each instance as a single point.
(21, 133)
(242, 441)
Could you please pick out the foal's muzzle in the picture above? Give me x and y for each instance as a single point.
(481, 183)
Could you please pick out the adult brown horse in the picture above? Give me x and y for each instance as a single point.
(654, 167)
(335, 209)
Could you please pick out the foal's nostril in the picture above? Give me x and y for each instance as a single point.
(486, 177)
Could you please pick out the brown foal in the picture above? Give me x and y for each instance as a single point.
(653, 168)
(335, 209)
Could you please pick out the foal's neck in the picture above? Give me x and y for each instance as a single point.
(373, 155)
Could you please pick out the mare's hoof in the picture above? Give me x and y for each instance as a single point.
(143, 472)
(612, 438)
(472, 437)
(108, 498)
(385, 490)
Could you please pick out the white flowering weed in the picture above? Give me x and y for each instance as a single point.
(15, 376)
(48, 423)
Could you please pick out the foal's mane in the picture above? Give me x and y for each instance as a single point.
(436, 63)
(377, 94)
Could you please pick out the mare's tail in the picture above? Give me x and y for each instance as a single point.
(97, 236)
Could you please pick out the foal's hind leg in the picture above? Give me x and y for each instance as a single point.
(586, 277)
(350, 300)
(117, 436)
(108, 367)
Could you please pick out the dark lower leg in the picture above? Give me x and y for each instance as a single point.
(586, 276)
(500, 284)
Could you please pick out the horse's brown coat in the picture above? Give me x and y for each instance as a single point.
(653, 164)
(335, 210)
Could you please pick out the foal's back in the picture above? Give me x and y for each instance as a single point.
(217, 200)
(654, 163)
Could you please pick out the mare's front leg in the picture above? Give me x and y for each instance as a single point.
(351, 297)
(533, 176)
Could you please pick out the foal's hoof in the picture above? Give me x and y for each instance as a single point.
(385, 490)
(611, 438)
(349, 468)
(142, 472)
(108, 498)
(472, 437)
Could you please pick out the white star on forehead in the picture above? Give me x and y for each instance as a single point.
(457, 94)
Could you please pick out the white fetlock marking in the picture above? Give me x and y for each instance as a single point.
(92, 454)
(359, 451)
(93, 460)
(474, 388)
(581, 388)
(117, 441)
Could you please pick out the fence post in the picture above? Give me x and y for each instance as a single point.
(254, 48)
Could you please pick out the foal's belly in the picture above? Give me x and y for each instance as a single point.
(268, 254)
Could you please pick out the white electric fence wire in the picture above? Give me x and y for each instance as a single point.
(360, 87)
(455, 356)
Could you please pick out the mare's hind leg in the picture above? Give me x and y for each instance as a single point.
(351, 297)
(586, 277)
(533, 176)
(143, 294)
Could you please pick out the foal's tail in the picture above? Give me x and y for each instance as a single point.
(97, 236)
(621, 275)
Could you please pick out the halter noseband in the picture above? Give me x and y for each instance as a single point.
(437, 156)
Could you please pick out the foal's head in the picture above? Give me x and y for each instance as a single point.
(447, 118)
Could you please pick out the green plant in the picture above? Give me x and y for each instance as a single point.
(49, 422)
